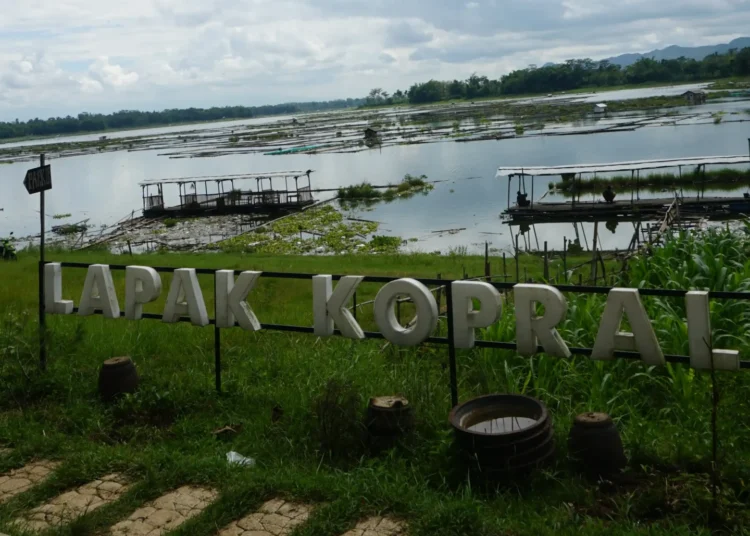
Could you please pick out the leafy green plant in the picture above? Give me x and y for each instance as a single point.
(363, 190)
(726, 177)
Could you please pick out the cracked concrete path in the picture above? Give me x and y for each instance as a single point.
(19, 480)
(377, 526)
(74, 503)
(165, 513)
(274, 518)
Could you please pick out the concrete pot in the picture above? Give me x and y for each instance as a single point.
(595, 444)
(116, 377)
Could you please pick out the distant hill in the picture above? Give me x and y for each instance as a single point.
(673, 52)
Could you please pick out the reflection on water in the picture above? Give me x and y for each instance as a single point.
(461, 213)
(502, 425)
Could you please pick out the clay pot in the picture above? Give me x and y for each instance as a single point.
(595, 444)
(503, 434)
(116, 377)
(387, 419)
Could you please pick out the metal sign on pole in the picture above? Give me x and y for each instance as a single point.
(37, 180)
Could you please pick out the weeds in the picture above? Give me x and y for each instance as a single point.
(340, 430)
(162, 435)
(658, 181)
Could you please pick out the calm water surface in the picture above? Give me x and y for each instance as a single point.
(104, 187)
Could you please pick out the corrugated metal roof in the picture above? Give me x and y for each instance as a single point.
(214, 178)
(622, 166)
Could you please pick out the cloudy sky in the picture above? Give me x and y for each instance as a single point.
(62, 57)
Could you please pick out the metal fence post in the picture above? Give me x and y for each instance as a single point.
(42, 312)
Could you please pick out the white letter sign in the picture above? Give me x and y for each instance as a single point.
(329, 306)
(532, 330)
(385, 314)
(142, 285)
(231, 306)
(185, 298)
(699, 336)
(53, 302)
(99, 293)
(465, 318)
(609, 337)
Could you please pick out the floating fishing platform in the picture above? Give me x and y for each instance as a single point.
(637, 209)
(631, 209)
(220, 197)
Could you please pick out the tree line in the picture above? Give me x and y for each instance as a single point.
(88, 122)
(573, 74)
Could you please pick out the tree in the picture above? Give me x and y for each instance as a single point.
(432, 91)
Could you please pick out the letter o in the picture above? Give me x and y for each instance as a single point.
(385, 313)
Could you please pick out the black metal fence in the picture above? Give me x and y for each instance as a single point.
(448, 341)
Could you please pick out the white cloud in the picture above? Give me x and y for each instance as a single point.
(66, 56)
(112, 75)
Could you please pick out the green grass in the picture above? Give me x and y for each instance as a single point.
(364, 190)
(731, 83)
(161, 436)
(729, 178)
(365, 194)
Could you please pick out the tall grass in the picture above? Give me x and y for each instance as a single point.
(162, 438)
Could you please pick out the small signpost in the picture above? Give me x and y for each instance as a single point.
(37, 181)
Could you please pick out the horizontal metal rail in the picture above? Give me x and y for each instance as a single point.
(581, 289)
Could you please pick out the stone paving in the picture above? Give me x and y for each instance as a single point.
(19, 480)
(274, 518)
(74, 503)
(165, 513)
(377, 526)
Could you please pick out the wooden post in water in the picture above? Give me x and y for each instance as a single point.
(565, 256)
(532, 191)
(517, 265)
(593, 254)
(546, 263)
(510, 178)
(505, 269)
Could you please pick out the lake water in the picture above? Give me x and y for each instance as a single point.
(104, 187)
